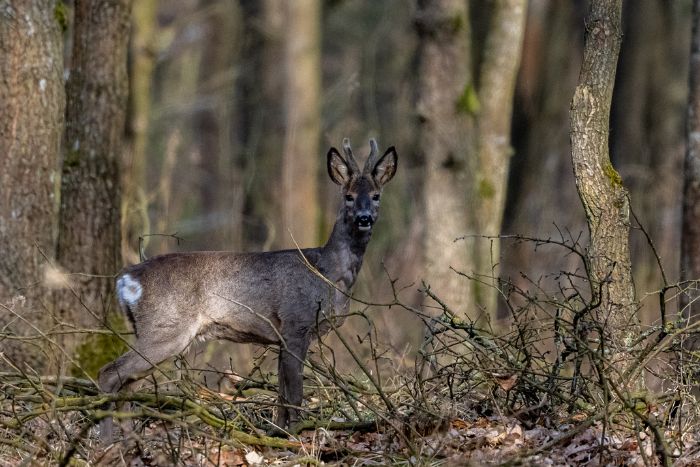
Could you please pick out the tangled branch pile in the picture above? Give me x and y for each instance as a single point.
(545, 390)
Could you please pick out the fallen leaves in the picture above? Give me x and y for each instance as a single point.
(254, 458)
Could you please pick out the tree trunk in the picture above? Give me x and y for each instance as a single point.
(600, 187)
(499, 70)
(89, 221)
(446, 105)
(690, 236)
(134, 210)
(32, 100)
(542, 192)
(301, 156)
(173, 166)
(261, 127)
(647, 127)
(221, 180)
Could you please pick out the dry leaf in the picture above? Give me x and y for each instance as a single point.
(254, 458)
(459, 424)
(228, 458)
(506, 382)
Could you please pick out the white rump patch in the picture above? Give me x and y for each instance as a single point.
(129, 290)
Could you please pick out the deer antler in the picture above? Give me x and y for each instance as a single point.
(373, 154)
(350, 158)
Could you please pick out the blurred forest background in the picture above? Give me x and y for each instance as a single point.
(230, 107)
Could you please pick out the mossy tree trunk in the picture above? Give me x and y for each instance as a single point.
(144, 49)
(446, 100)
(498, 73)
(464, 140)
(89, 220)
(32, 103)
(690, 236)
(604, 197)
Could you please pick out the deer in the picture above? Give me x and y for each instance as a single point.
(280, 298)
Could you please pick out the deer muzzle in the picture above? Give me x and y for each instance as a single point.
(364, 221)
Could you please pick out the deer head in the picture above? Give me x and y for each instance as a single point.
(361, 189)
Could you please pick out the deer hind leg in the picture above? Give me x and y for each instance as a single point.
(129, 368)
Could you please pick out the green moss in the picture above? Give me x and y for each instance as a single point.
(477, 292)
(612, 174)
(60, 13)
(486, 189)
(468, 102)
(72, 158)
(456, 23)
(96, 350)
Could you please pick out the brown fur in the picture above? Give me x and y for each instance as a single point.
(266, 298)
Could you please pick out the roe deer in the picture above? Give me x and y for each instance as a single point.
(264, 298)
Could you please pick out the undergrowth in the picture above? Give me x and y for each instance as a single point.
(543, 389)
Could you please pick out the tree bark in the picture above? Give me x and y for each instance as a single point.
(464, 137)
(647, 124)
(690, 235)
(32, 100)
(89, 220)
(499, 70)
(446, 100)
(221, 181)
(542, 193)
(301, 156)
(262, 126)
(603, 195)
(134, 209)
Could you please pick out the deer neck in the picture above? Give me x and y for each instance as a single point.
(341, 257)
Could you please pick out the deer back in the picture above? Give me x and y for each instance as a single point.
(240, 297)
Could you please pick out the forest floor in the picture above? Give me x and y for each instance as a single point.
(552, 389)
(173, 429)
(495, 440)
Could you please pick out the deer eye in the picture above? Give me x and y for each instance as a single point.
(375, 197)
(349, 198)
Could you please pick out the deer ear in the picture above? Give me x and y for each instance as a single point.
(385, 168)
(338, 169)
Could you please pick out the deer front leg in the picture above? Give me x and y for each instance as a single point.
(291, 380)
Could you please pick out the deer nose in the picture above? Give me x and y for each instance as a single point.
(364, 221)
